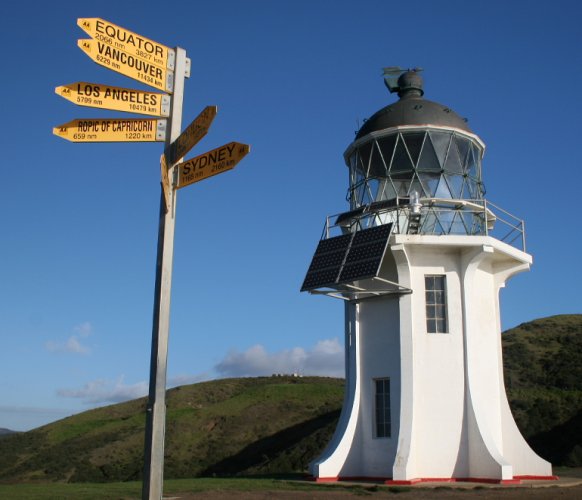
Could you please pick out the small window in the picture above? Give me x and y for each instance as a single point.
(383, 425)
(436, 304)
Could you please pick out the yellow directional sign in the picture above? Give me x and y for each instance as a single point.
(112, 130)
(96, 95)
(132, 43)
(191, 135)
(211, 163)
(128, 64)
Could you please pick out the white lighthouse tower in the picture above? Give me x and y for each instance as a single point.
(419, 259)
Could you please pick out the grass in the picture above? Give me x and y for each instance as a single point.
(132, 490)
(568, 472)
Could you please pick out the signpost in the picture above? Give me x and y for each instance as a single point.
(95, 95)
(128, 65)
(112, 130)
(153, 483)
(166, 69)
(211, 163)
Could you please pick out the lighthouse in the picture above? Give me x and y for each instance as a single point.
(419, 260)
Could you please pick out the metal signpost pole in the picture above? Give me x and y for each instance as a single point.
(156, 407)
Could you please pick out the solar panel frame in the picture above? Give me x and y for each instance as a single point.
(348, 258)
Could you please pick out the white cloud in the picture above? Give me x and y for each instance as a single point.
(325, 359)
(105, 391)
(84, 329)
(73, 343)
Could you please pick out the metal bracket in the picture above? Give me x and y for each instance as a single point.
(165, 108)
(161, 127)
(353, 293)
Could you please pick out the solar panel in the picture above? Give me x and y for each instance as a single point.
(358, 271)
(365, 253)
(347, 258)
(327, 261)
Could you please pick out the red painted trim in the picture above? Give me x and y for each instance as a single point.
(363, 478)
(347, 478)
(409, 482)
(454, 480)
(537, 478)
(401, 482)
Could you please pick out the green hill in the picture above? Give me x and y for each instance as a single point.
(233, 426)
(276, 425)
(5, 432)
(543, 376)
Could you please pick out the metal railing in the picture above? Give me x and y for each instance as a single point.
(438, 216)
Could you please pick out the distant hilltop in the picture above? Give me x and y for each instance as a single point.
(5, 432)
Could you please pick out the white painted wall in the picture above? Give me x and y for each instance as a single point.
(450, 416)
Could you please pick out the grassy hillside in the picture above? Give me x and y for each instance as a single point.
(276, 425)
(250, 425)
(543, 376)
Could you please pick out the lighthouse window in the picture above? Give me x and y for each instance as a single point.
(436, 303)
(383, 424)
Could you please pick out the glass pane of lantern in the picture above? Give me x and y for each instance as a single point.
(472, 163)
(401, 161)
(428, 158)
(457, 225)
(389, 190)
(386, 145)
(401, 187)
(455, 183)
(440, 141)
(453, 161)
(463, 147)
(364, 157)
(377, 165)
(415, 185)
(373, 185)
(414, 142)
(467, 193)
(429, 183)
(442, 190)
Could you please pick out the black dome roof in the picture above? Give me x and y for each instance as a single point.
(412, 109)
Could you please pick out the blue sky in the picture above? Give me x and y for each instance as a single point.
(294, 79)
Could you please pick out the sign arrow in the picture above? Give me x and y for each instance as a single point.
(128, 64)
(112, 130)
(129, 42)
(95, 95)
(191, 135)
(211, 163)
